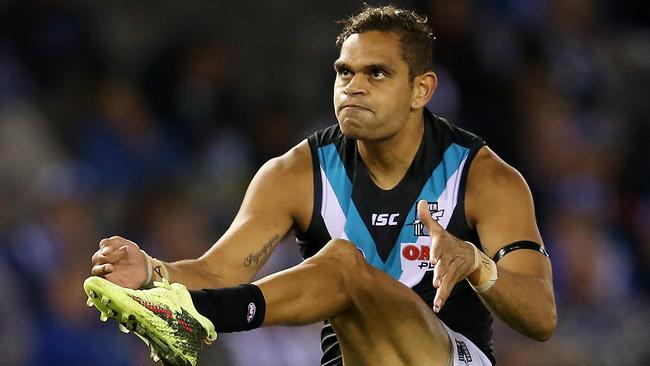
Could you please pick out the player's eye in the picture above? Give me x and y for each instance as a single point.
(378, 74)
(343, 72)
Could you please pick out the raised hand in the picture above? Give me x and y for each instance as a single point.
(120, 261)
(453, 259)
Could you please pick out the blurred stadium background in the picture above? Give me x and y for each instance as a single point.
(148, 118)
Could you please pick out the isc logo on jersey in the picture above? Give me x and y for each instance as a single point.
(384, 219)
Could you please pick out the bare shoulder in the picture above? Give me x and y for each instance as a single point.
(287, 181)
(489, 173)
(296, 161)
(498, 202)
(291, 171)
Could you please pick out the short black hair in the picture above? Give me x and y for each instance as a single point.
(416, 36)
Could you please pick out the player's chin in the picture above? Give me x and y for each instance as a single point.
(354, 128)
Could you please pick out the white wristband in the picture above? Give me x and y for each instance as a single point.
(156, 271)
(149, 281)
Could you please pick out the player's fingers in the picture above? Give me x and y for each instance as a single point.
(442, 293)
(95, 258)
(439, 300)
(425, 216)
(116, 255)
(104, 242)
(436, 251)
(113, 242)
(109, 256)
(101, 269)
(446, 284)
(439, 272)
(101, 257)
(107, 245)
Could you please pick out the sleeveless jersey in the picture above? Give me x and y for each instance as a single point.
(383, 224)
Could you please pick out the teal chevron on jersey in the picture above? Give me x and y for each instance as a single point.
(336, 174)
(354, 229)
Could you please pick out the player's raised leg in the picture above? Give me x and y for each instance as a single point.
(377, 319)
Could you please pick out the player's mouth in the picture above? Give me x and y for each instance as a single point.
(354, 107)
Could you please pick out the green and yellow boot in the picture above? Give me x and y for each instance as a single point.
(163, 317)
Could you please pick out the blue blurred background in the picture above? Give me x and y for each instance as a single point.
(148, 118)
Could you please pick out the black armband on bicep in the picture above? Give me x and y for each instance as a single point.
(522, 244)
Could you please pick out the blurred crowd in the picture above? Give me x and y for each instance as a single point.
(147, 119)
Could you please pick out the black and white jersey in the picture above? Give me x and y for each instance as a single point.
(383, 224)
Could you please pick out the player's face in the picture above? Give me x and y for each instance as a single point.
(372, 93)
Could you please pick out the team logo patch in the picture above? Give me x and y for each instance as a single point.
(251, 312)
(418, 226)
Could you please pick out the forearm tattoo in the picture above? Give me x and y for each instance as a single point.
(255, 257)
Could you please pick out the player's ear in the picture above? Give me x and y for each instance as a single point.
(424, 85)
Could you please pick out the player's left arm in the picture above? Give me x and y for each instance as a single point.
(500, 206)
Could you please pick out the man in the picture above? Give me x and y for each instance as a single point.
(390, 204)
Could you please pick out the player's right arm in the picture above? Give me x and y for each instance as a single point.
(279, 196)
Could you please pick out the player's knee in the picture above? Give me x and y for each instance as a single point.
(349, 262)
(345, 253)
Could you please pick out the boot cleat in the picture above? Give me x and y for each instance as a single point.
(154, 355)
(139, 329)
(105, 300)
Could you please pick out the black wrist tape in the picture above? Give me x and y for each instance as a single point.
(232, 309)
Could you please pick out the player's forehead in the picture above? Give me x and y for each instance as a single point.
(372, 48)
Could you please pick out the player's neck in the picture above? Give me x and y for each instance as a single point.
(388, 160)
